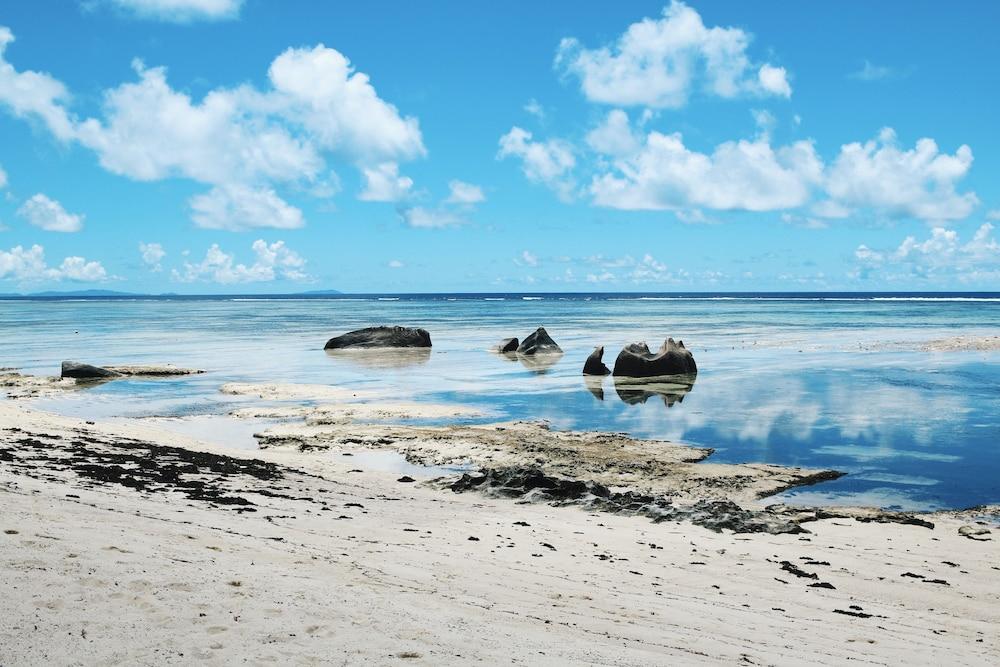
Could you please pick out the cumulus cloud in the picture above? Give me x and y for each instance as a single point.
(614, 135)
(272, 262)
(634, 170)
(993, 214)
(548, 162)
(665, 174)
(383, 183)
(33, 94)
(180, 11)
(918, 182)
(528, 258)
(464, 193)
(395, 264)
(238, 207)
(29, 266)
(943, 254)
(658, 62)
(240, 141)
(152, 254)
(49, 215)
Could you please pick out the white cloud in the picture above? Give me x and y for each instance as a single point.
(993, 215)
(3, 178)
(746, 175)
(238, 207)
(872, 72)
(29, 94)
(655, 63)
(529, 258)
(273, 262)
(49, 215)
(383, 183)
(395, 264)
(430, 218)
(614, 136)
(774, 80)
(941, 255)
(152, 254)
(918, 183)
(237, 140)
(181, 11)
(29, 266)
(80, 270)
(340, 108)
(548, 162)
(464, 193)
(535, 109)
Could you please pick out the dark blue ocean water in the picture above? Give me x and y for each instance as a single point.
(826, 380)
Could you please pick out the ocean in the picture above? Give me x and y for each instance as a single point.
(821, 380)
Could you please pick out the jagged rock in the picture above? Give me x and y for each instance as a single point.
(594, 364)
(507, 345)
(539, 343)
(381, 337)
(78, 371)
(635, 360)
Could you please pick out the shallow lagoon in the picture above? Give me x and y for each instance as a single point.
(799, 381)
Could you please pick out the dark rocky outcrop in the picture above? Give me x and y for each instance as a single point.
(380, 337)
(539, 343)
(78, 371)
(594, 364)
(635, 360)
(534, 485)
(507, 345)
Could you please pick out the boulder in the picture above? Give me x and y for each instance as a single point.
(507, 345)
(78, 371)
(594, 364)
(539, 343)
(635, 360)
(380, 337)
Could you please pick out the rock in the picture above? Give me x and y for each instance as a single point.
(635, 360)
(78, 371)
(974, 533)
(594, 364)
(507, 345)
(539, 343)
(381, 337)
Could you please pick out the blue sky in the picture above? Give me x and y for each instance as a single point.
(201, 146)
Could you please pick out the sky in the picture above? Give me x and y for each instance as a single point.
(256, 146)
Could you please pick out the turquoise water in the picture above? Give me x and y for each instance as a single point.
(837, 383)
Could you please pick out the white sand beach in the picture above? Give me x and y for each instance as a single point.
(330, 564)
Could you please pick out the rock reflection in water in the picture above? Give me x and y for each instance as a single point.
(635, 391)
(536, 363)
(397, 357)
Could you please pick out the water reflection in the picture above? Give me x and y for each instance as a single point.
(383, 358)
(540, 364)
(671, 391)
(636, 391)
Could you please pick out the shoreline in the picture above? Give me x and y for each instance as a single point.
(129, 543)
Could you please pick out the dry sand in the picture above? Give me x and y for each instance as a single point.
(123, 545)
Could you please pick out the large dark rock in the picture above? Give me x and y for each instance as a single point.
(635, 360)
(381, 337)
(78, 371)
(507, 345)
(594, 364)
(539, 343)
